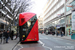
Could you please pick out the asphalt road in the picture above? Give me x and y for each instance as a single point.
(47, 42)
(55, 43)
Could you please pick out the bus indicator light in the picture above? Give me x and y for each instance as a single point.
(23, 35)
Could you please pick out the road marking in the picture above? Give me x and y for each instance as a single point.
(69, 43)
(57, 38)
(19, 48)
(44, 45)
(43, 38)
(15, 47)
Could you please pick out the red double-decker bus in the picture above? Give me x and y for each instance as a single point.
(28, 27)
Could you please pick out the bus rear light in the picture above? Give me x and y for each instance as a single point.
(29, 39)
(23, 36)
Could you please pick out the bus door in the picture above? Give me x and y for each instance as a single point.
(23, 32)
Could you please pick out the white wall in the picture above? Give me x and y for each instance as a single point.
(49, 17)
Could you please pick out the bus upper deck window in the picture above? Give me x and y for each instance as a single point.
(22, 20)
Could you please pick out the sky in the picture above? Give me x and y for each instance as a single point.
(38, 6)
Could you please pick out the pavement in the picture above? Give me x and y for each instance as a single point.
(8, 46)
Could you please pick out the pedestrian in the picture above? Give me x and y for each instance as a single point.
(4, 35)
(69, 31)
(57, 33)
(11, 35)
(1, 36)
(17, 35)
(7, 36)
(62, 33)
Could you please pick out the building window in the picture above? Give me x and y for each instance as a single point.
(69, 21)
(1, 26)
(67, 0)
(73, 3)
(70, 8)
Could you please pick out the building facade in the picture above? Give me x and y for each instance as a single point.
(5, 13)
(40, 22)
(58, 14)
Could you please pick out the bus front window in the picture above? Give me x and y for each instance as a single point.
(29, 23)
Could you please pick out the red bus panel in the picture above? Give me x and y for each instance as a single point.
(25, 16)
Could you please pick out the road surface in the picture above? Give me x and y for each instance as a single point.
(47, 42)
